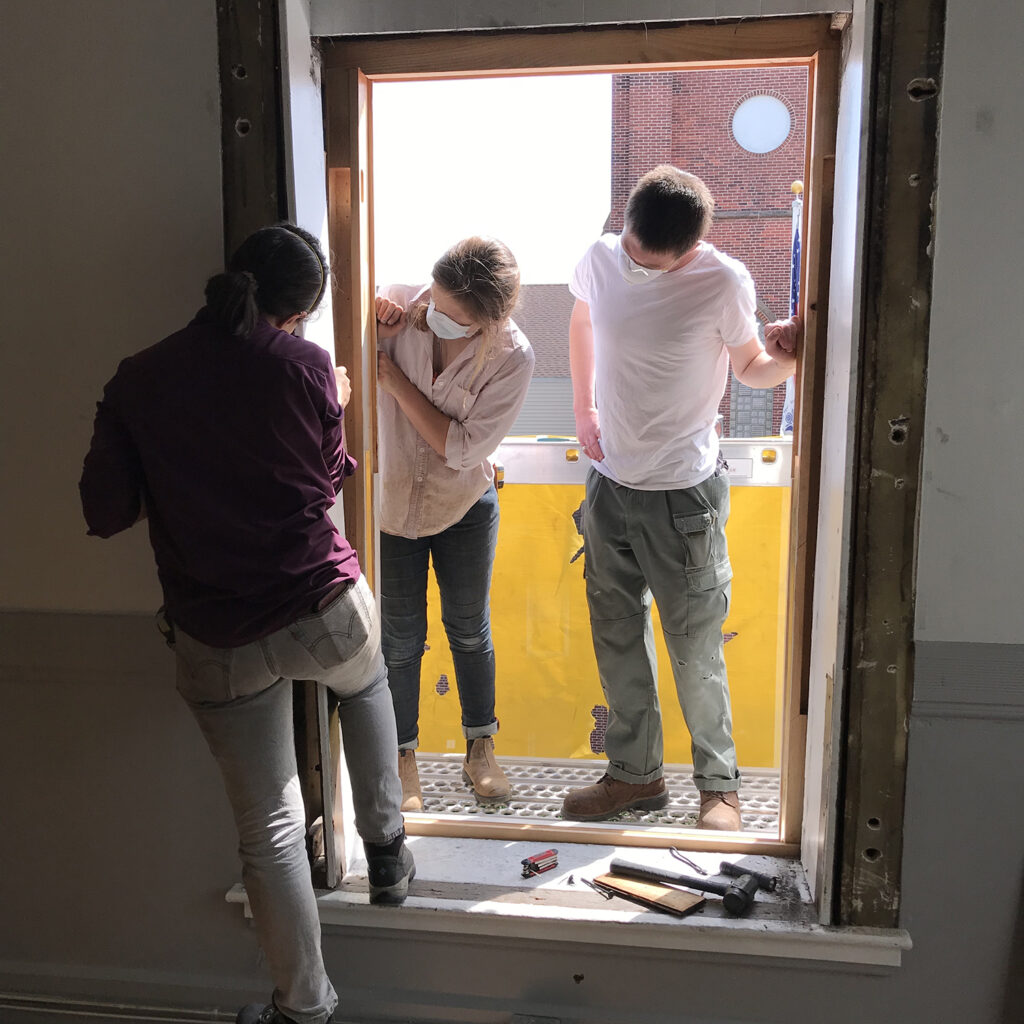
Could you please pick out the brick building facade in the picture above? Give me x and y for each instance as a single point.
(685, 118)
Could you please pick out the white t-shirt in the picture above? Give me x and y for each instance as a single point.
(661, 363)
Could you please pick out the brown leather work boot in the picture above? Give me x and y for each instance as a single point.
(609, 796)
(719, 811)
(482, 771)
(412, 795)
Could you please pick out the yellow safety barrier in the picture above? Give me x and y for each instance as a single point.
(549, 699)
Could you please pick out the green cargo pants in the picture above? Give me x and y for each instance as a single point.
(670, 545)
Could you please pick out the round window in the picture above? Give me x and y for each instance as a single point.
(761, 124)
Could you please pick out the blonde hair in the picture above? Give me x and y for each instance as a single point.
(482, 274)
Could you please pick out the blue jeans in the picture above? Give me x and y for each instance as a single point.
(463, 556)
(242, 699)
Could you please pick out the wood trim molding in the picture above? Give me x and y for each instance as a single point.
(636, 48)
(816, 230)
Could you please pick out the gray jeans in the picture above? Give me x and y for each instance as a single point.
(669, 544)
(242, 699)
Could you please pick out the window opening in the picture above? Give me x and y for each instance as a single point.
(545, 163)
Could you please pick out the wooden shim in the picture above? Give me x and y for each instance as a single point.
(649, 894)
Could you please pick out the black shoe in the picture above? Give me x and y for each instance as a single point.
(390, 875)
(261, 1013)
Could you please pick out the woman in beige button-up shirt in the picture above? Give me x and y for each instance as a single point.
(453, 370)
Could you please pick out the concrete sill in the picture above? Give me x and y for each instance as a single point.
(474, 887)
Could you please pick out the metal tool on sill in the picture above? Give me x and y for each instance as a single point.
(539, 863)
(686, 860)
(737, 896)
(768, 883)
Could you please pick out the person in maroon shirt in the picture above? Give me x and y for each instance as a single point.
(227, 438)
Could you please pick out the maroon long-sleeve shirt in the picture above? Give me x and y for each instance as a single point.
(235, 449)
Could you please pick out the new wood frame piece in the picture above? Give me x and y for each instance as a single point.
(350, 67)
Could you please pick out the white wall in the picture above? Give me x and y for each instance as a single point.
(971, 557)
(111, 186)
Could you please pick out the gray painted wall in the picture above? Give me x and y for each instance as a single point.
(112, 221)
(975, 412)
(117, 845)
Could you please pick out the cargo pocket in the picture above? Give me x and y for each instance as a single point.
(708, 571)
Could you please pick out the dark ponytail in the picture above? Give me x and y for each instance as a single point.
(276, 272)
(231, 298)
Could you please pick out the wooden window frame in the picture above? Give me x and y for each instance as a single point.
(350, 67)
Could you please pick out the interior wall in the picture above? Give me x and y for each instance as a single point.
(970, 558)
(118, 846)
(117, 841)
(112, 223)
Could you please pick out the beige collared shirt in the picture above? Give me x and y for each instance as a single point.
(423, 493)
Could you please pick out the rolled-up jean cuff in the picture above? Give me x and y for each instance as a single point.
(411, 745)
(621, 775)
(717, 785)
(475, 732)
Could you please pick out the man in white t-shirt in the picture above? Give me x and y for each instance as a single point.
(660, 315)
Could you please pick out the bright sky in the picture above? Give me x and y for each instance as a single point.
(527, 160)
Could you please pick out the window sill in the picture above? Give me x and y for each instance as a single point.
(476, 884)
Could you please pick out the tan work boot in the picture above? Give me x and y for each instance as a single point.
(482, 771)
(609, 796)
(719, 811)
(412, 795)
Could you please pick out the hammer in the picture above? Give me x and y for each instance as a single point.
(767, 882)
(737, 896)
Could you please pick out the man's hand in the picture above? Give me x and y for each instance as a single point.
(390, 317)
(782, 339)
(589, 435)
(389, 377)
(344, 385)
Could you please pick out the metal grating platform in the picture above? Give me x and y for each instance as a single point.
(538, 787)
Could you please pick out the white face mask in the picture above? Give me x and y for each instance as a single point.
(631, 271)
(444, 326)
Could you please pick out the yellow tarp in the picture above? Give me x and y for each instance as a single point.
(547, 684)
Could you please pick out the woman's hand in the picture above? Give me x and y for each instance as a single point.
(390, 317)
(390, 378)
(344, 385)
